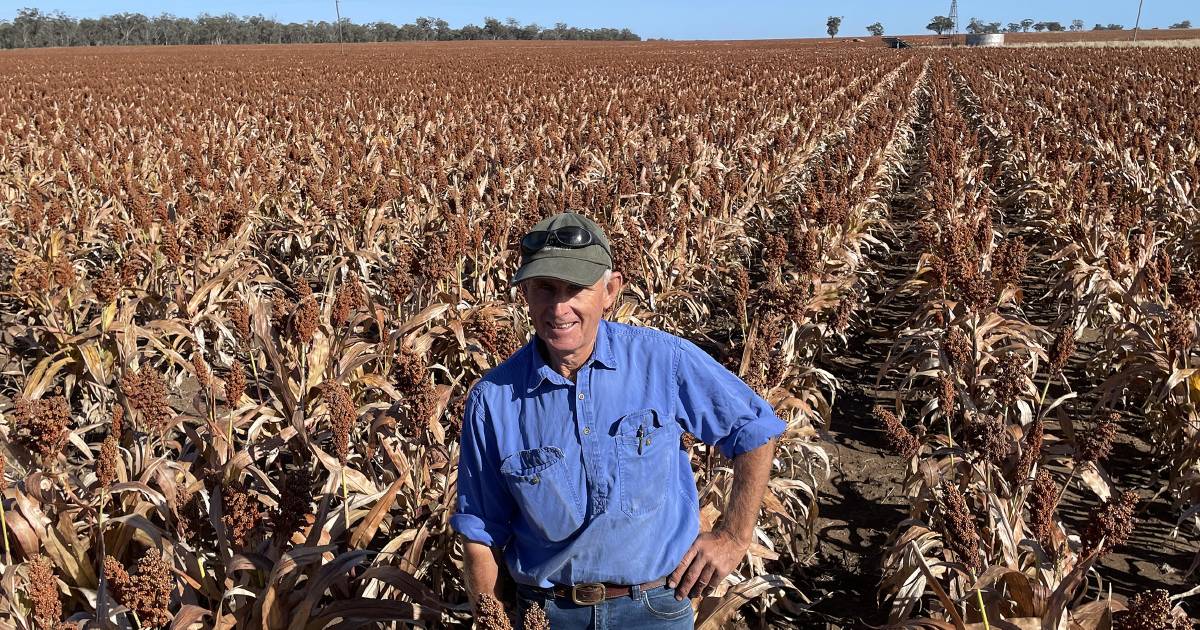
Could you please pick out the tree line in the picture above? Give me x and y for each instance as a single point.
(941, 24)
(32, 28)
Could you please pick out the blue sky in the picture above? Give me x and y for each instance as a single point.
(675, 19)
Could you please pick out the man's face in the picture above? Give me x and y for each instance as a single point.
(566, 317)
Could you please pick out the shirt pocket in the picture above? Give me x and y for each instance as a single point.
(544, 488)
(647, 450)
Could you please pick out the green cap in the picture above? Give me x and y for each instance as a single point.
(582, 266)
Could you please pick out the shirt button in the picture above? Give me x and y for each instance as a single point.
(587, 430)
(581, 396)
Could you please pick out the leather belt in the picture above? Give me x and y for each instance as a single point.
(592, 593)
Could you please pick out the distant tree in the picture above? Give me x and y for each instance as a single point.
(1054, 27)
(492, 28)
(940, 24)
(1115, 27)
(1077, 25)
(1013, 27)
(1183, 24)
(875, 29)
(1039, 27)
(1025, 24)
(512, 28)
(979, 26)
(832, 25)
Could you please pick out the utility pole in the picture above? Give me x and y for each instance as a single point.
(1139, 20)
(338, 9)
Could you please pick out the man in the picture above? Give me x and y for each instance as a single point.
(571, 468)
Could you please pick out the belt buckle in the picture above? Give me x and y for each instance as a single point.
(590, 588)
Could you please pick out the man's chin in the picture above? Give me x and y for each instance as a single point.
(561, 344)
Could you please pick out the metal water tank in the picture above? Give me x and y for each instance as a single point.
(985, 39)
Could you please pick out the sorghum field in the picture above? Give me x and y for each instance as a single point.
(245, 289)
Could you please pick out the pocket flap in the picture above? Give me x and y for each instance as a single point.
(647, 419)
(531, 462)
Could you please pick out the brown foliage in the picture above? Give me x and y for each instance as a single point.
(235, 384)
(349, 297)
(146, 591)
(1150, 610)
(243, 516)
(1011, 379)
(106, 463)
(147, 394)
(958, 349)
(1094, 445)
(43, 425)
(987, 435)
(490, 614)
(900, 440)
(239, 319)
(43, 593)
(1043, 498)
(295, 504)
(342, 414)
(961, 535)
(1061, 349)
(1110, 524)
(306, 317)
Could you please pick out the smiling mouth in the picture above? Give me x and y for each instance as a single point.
(561, 326)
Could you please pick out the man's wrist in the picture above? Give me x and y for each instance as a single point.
(742, 539)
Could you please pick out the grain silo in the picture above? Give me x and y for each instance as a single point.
(985, 39)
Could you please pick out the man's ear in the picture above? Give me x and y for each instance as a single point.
(615, 283)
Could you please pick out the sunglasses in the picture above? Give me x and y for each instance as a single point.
(570, 237)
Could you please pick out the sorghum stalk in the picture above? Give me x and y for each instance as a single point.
(982, 610)
(254, 368)
(345, 500)
(4, 534)
(4, 521)
(949, 433)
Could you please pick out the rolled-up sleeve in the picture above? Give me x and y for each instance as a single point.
(718, 407)
(485, 508)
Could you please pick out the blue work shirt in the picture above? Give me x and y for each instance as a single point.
(586, 481)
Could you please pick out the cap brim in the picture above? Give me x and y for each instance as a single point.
(578, 272)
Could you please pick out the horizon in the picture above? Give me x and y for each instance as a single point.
(705, 20)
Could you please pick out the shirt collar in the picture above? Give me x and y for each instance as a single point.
(603, 353)
(540, 371)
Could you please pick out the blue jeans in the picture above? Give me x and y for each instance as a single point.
(654, 609)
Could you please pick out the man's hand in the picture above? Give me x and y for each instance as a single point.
(712, 556)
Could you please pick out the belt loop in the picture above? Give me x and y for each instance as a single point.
(635, 591)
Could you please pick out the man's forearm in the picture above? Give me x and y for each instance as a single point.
(482, 571)
(751, 471)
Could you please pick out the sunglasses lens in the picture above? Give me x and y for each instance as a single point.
(573, 236)
(534, 240)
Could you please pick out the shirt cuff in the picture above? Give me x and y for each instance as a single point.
(476, 529)
(751, 435)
